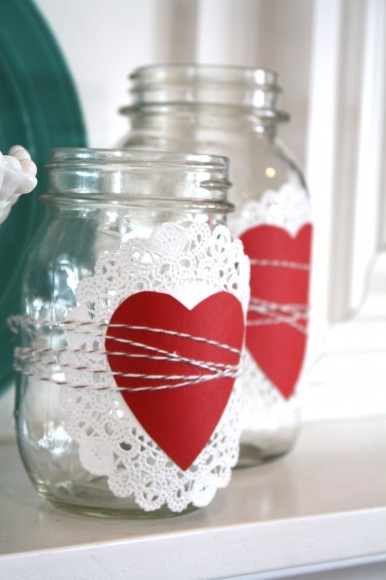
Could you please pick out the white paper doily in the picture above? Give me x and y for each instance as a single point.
(189, 263)
(289, 209)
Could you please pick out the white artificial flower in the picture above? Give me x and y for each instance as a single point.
(17, 176)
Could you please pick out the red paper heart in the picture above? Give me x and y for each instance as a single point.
(277, 347)
(180, 420)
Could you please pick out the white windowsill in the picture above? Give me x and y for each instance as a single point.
(321, 507)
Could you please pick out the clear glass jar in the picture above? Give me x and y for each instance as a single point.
(233, 111)
(134, 305)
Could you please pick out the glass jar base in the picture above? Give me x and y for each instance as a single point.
(119, 508)
(129, 514)
(252, 456)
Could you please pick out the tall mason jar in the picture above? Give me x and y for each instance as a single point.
(233, 111)
(130, 337)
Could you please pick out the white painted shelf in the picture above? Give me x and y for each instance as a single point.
(320, 508)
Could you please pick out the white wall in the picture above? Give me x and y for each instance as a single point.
(104, 40)
(331, 57)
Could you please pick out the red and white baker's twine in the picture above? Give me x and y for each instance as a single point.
(27, 356)
(294, 315)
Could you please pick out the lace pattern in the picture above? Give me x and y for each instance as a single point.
(190, 263)
(112, 443)
(288, 208)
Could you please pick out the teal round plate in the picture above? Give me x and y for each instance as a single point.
(39, 109)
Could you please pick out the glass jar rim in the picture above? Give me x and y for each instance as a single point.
(203, 84)
(232, 74)
(137, 177)
(134, 158)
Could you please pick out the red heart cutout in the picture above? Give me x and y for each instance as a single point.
(180, 420)
(279, 276)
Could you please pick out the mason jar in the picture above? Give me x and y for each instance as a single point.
(233, 111)
(131, 334)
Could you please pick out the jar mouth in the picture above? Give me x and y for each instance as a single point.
(131, 158)
(206, 84)
(222, 74)
(138, 177)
